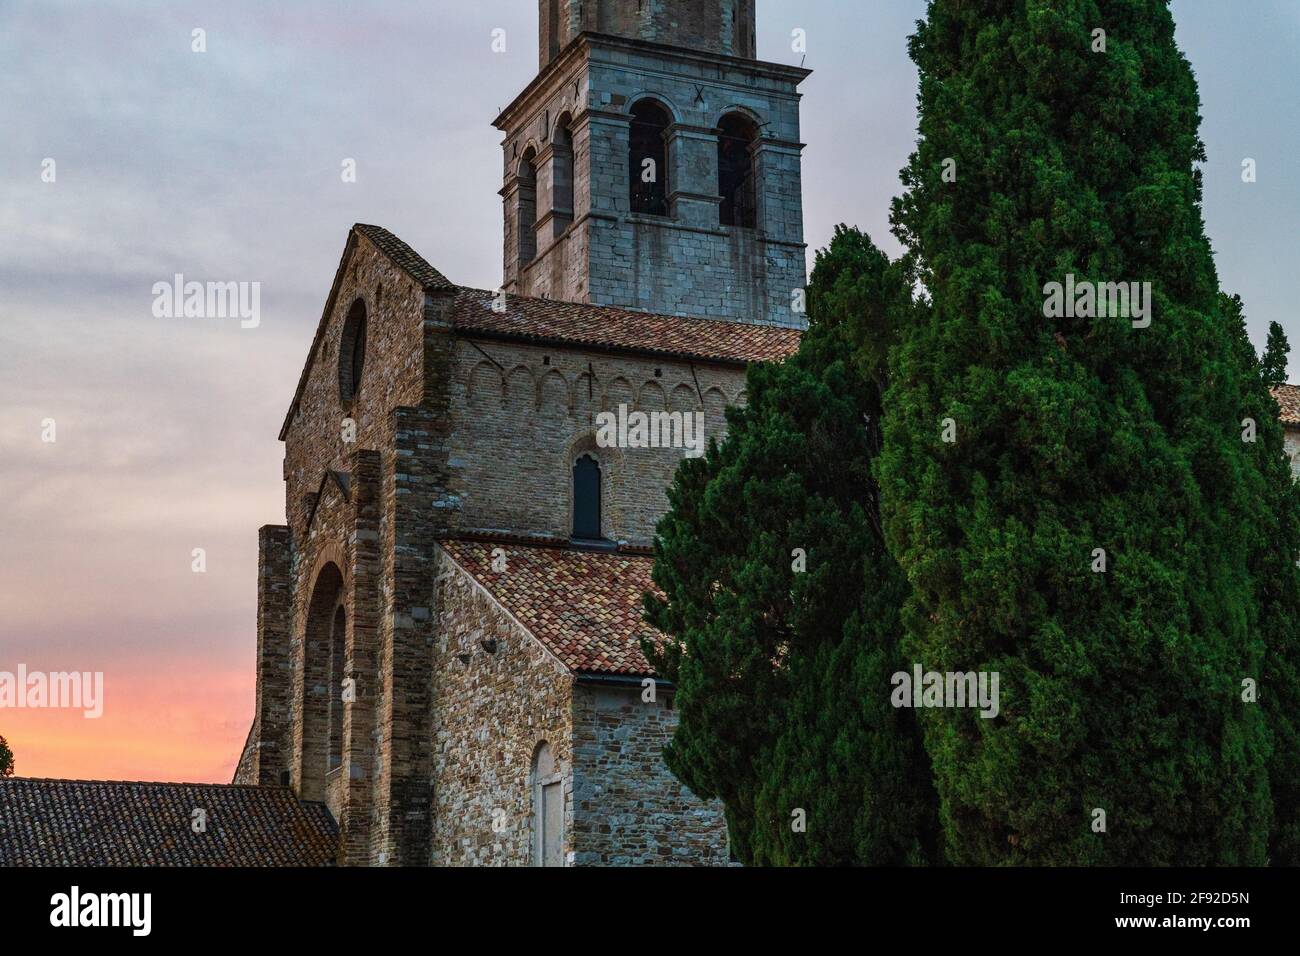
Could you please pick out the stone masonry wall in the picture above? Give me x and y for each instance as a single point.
(1291, 443)
(720, 26)
(393, 376)
(628, 809)
(685, 263)
(269, 739)
(490, 712)
(522, 422)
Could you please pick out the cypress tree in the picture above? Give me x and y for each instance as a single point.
(1273, 534)
(1088, 535)
(782, 605)
(1273, 364)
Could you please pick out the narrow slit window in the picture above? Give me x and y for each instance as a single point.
(586, 498)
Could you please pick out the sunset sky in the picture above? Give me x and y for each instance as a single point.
(225, 166)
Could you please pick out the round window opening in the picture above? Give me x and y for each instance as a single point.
(352, 351)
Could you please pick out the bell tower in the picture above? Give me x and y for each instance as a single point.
(654, 164)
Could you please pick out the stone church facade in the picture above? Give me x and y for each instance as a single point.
(449, 623)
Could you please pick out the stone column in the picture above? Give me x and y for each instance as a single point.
(360, 658)
(274, 665)
(693, 175)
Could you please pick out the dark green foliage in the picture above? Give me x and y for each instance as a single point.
(1273, 537)
(1120, 690)
(6, 759)
(1273, 365)
(783, 676)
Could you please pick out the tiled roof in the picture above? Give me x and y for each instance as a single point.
(1288, 397)
(404, 257)
(584, 606)
(568, 323)
(116, 823)
(602, 326)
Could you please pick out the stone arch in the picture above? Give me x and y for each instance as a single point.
(521, 388)
(674, 114)
(613, 477)
(546, 784)
(652, 398)
(352, 350)
(683, 398)
(738, 138)
(526, 205)
(618, 391)
(553, 395)
(484, 383)
(530, 147)
(749, 113)
(328, 593)
(649, 162)
(563, 173)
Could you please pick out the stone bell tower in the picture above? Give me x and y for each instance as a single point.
(654, 164)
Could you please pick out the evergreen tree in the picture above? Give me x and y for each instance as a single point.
(1058, 143)
(782, 605)
(1275, 352)
(1274, 537)
(6, 759)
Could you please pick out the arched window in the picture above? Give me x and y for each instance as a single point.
(548, 809)
(312, 744)
(562, 176)
(526, 208)
(352, 351)
(647, 160)
(736, 137)
(338, 642)
(586, 498)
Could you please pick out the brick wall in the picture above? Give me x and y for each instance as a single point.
(523, 414)
(628, 809)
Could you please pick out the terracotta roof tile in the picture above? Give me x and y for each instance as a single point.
(584, 606)
(119, 823)
(602, 326)
(1288, 397)
(404, 257)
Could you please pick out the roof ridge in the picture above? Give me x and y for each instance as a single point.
(540, 540)
(414, 264)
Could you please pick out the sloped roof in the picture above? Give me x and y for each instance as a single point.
(1288, 398)
(117, 823)
(547, 321)
(607, 327)
(583, 606)
(405, 258)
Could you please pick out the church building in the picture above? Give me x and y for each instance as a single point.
(449, 623)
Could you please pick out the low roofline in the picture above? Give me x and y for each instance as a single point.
(148, 783)
(606, 349)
